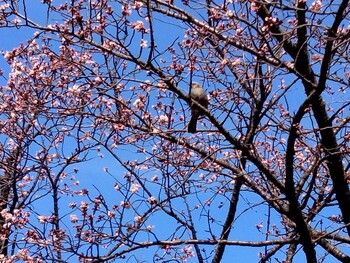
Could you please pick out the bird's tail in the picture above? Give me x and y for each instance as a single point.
(192, 125)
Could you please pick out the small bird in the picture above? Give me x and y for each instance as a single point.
(199, 95)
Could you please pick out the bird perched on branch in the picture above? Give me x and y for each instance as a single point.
(198, 94)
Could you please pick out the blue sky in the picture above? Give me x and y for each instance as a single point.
(92, 176)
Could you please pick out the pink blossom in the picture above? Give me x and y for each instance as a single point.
(138, 26)
(154, 178)
(109, 10)
(9, 56)
(84, 207)
(43, 219)
(163, 119)
(335, 218)
(138, 219)
(118, 126)
(98, 80)
(16, 21)
(134, 188)
(74, 90)
(111, 214)
(188, 251)
(152, 200)
(149, 227)
(4, 7)
(254, 6)
(317, 57)
(124, 204)
(143, 43)
(22, 254)
(6, 215)
(259, 226)
(24, 193)
(73, 218)
(139, 104)
(137, 5)
(110, 44)
(126, 10)
(316, 6)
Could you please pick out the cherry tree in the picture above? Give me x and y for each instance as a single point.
(102, 87)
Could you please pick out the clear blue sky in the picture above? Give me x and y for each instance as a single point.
(91, 174)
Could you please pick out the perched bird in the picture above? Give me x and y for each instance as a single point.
(199, 95)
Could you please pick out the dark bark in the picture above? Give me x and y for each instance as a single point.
(226, 229)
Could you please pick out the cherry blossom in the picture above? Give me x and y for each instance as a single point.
(96, 161)
(316, 6)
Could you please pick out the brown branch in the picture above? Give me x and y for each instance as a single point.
(193, 242)
(294, 212)
(342, 257)
(329, 52)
